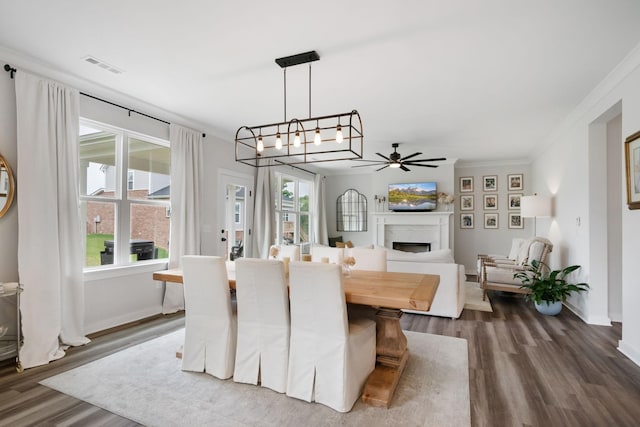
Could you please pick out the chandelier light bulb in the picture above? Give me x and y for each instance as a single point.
(260, 146)
(296, 140)
(278, 141)
(317, 140)
(339, 137)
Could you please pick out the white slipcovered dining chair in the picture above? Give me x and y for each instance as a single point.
(262, 353)
(210, 320)
(330, 356)
(289, 251)
(335, 255)
(371, 259)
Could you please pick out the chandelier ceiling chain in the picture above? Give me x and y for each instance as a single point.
(329, 132)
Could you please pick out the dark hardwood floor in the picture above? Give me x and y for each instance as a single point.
(525, 369)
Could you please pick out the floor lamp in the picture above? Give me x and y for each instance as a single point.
(535, 207)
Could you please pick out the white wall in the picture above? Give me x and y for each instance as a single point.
(569, 167)
(479, 240)
(376, 183)
(8, 149)
(123, 294)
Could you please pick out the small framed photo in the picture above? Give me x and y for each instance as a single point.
(491, 202)
(466, 203)
(490, 183)
(466, 184)
(632, 161)
(515, 220)
(514, 201)
(491, 220)
(466, 220)
(515, 182)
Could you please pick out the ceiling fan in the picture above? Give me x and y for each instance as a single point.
(395, 160)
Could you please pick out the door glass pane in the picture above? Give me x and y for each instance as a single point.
(97, 162)
(149, 232)
(148, 176)
(235, 220)
(99, 229)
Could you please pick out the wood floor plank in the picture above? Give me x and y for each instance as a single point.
(525, 369)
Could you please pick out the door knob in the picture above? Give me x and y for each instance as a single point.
(224, 239)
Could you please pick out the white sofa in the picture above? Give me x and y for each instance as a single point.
(449, 299)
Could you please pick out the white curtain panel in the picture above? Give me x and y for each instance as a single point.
(186, 171)
(320, 224)
(263, 218)
(50, 237)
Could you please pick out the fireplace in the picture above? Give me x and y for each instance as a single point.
(412, 246)
(436, 228)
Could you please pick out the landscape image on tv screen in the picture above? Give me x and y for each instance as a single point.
(417, 196)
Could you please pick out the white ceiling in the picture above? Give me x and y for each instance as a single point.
(470, 80)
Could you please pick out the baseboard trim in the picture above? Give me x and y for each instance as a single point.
(632, 353)
(600, 320)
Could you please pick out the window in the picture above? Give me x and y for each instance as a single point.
(124, 193)
(293, 213)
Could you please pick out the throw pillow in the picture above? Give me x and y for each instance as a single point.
(333, 240)
(340, 244)
(515, 248)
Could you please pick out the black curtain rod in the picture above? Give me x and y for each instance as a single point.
(9, 69)
(293, 166)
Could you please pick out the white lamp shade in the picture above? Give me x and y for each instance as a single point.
(535, 206)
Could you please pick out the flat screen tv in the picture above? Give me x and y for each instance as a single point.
(413, 197)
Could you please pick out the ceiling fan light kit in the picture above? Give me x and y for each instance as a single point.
(396, 161)
(298, 141)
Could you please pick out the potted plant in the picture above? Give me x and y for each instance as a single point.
(548, 289)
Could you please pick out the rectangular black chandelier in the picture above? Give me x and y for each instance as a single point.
(298, 141)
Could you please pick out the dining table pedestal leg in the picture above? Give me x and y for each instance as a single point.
(391, 359)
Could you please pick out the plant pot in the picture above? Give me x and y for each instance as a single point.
(549, 308)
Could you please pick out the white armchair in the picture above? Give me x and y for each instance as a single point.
(498, 274)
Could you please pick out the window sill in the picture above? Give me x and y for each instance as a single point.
(99, 273)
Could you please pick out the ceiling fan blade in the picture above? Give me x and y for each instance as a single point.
(424, 166)
(384, 157)
(370, 161)
(404, 168)
(372, 164)
(382, 168)
(438, 159)
(410, 156)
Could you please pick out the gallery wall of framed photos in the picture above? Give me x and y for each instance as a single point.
(488, 209)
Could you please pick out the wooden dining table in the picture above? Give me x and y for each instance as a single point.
(388, 293)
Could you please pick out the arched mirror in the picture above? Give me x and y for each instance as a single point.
(7, 186)
(351, 211)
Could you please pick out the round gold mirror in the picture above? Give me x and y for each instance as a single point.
(7, 186)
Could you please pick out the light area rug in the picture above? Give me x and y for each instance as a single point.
(145, 384)
(473, 298)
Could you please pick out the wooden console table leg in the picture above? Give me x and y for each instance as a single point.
(391, 359)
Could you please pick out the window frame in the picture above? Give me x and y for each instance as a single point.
(281, 213)
(121, 201)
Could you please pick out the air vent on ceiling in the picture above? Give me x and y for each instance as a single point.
(100, 63)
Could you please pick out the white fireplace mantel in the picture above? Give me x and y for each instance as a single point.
(432, 227)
